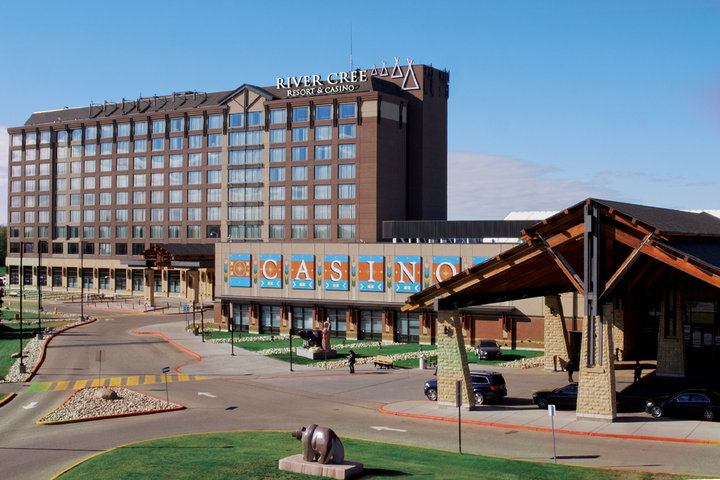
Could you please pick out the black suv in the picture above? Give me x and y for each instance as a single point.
(488, 387)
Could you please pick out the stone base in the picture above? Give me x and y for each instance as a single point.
(316, 354)
(295, 463)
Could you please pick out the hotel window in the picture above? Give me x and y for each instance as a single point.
(121, 215)
(214, 195)
(156, 231)
(175, 214)
(278, 116)
(194, 195)
(346, 231)
(43, 217)
(175, 196)
(106, 165)
(176, 160)
(138, 214)
(214, 176)
(194, 141)
(158, 161)
(124, 130)
(177, 124)
(43, 200)
(138, 198)
(90, 133)
(30, 185)
(277, 155)
(254, 137)
(323, 152)
(236, 139)
(89, 166)
(298, 192)
(88, 232)
(193, 231)
(277, 212)
(106, 198)
(174, 231)
(214, 158)
(299, 212)
(123, 147)
(346, 150)
(104, 231)
(30, 138)
(139, 163)
(277, 193)
(321, 231)
(346, 190)
(90, 149)
(322, 212)
(299, 153)
(75, 199)
(323, 112)
(44, 169)
(215, 121)
(138, 231)
(214, 140)
(195, 160)
(300, 114)
(346, 110)
(31, 155)
(157, 196)
(105, 181)
(121, 231)
(45, 153)
(140, 146)
(298, 231)
(346, 211)
(277, 231)
(141, 128)
(121, 181)
(15, 217)
(277, 135)
(323, 172)
(30, 201)
(158, 144)
(157, 214)
(106, 131)
(236, 120)
(176, 143)
(16, 155)
(17, 139)
(322, 192)
(194, 178)
(213, 213)
(123, 163)
(175, 178)
(88, 183)
(139, 180)
(74, 184)
(61, 168)
(195, 123)
(62, 136)
(29, 170)
(76, 135)
(61, 152)
(75, 152)
(30, 216)
(60, 216)
(300, 134)
(254, 119)
(88, 199)
(253, 156)
(277, 174)
(15, 186)
(157, 179)
(299, 173)
(121, 198)
(106, 148)
(194, 214)
(244, 213)
(15, 201)
(105, 215)
(44, 137)
(323, 132)
(346, 170)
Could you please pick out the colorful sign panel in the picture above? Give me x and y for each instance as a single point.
(270, 271)
(479, 260)
(302, 272)
(336, 268)
(444, 268)
(407, 274)
(239, 269)
(370, 273)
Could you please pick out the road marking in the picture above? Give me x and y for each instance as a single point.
(207, 394)
(134, 380)
(80, 384)
(115, 382)
(389, 429)
(62, 385)
(149, 379)
(98, 382)
(39, 387)
(182, 377)
(30, 405)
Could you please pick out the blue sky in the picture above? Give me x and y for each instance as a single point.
(550, 101)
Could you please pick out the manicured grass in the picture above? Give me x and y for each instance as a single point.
(256, 455)
(508, 356)
(10, 340)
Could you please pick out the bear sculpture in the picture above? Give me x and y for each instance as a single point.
(320, 444)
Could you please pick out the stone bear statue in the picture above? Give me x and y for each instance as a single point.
(321, 444)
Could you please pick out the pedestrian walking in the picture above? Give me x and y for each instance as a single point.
(570, 368)
(351, 361)
(638, 372)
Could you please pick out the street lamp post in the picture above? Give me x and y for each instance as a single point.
(39, 287)
(21, 367)
(202, 323)
(82, 282)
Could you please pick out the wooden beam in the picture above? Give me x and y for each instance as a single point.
(624, 268)
(673, 260)
(564, 266)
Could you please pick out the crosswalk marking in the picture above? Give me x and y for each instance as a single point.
(128, 381)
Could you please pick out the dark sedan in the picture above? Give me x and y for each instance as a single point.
(488, 387)
(560, 397)
(488, 349)
(693, 403)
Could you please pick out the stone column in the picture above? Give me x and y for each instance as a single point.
(619, 331)
(149, 287)
(254, 326)
(596, 388)
(452, 360)
(555, 335)
(426, 328)
(671, 347)
(388, 326)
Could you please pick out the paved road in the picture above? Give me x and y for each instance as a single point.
(247, 392)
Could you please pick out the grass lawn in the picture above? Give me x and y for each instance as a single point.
(10, 340)
(256, 455)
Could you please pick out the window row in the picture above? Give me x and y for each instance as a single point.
(319, 212)
(321, 132)
(344, 231)
(322, 172)
(322, 112)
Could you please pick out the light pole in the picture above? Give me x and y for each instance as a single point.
(82, 281)
(39, 287)
(202, 323)
(21, 367)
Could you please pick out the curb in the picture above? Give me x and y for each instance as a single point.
(383, 410)
(177, 369)
(7, 399)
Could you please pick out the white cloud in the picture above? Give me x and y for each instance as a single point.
(488, 187)
(4, 174)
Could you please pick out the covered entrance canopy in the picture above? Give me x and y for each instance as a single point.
(636, 267)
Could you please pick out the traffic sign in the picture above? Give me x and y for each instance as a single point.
(166, 369)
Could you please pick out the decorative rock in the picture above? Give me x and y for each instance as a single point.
(106, 394)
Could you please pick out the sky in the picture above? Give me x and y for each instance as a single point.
(551, 102)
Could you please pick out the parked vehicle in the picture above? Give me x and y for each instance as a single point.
(488, 349)
(560, 397)
(488, 387)
(692, 403)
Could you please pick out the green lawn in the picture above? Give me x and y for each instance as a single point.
(256, 454)
(10, 340)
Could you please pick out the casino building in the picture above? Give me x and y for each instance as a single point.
(268, 202)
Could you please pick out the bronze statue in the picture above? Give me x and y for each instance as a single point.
(321, 444)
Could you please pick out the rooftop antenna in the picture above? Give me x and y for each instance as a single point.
(351, 59)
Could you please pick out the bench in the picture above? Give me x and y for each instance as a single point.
(383, 361)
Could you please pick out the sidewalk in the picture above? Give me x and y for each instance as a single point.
(214, 360)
